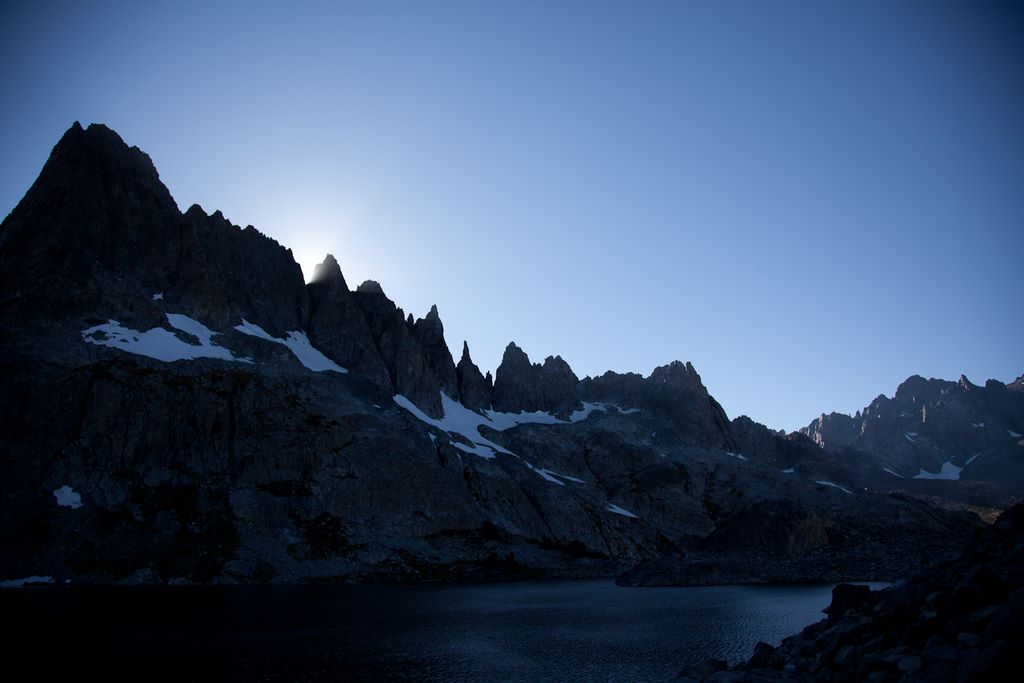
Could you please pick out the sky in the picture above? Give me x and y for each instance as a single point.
(809, 201)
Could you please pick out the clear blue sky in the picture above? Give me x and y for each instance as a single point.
(808, 200)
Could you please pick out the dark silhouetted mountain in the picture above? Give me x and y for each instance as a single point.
(177, 404)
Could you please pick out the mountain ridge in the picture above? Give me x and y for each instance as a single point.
(222, 420)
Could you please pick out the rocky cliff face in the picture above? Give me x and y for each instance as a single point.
(178, 405)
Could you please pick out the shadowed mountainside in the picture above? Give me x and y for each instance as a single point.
(177, 405)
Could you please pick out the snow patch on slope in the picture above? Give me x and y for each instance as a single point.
(547, 475)
(68, 497)
(835, 486)
(159, 343)
(18, 583)
(476, 449)
(459, 420)
(298, 343)
(612, 507)
(948, 472)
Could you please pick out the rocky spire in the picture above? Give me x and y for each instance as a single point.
(474, 388)
(429, 332)
(329, 272)
(370, 287)
(338, 327)
(418, 361)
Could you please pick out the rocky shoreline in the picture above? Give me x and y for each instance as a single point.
(961, 620)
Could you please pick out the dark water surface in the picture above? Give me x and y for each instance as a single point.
(550, 631)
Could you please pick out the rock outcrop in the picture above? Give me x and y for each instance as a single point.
(676, 393)
(521, 385)
(962, 621)
(835, 430)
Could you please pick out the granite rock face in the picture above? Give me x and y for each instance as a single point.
(216, 419)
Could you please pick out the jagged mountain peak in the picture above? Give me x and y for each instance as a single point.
(474, 389)
(675, 372)
(329, 272)
(429, 329)
(95, 135)
(96, 214)
(99, 149)
(917, 386)
(522, 385)
(514, 350)
(370, 287)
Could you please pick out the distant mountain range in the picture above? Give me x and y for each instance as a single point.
(178, 405)
(935, 430)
